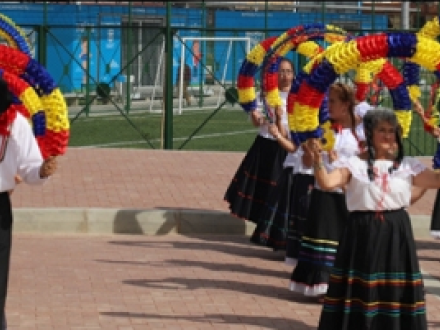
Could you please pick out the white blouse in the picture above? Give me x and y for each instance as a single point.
(290, 160)
(299, 165)
(387, 191)
(346, 145)
(22, 156)
(264, 129)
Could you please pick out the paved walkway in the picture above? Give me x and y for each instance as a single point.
(161, 282)
(130, 178)
(164, 282)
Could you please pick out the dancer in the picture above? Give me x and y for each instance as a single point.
(376, 281)
(20, 160)
(260, 169)
(328, 212)
(435, 131)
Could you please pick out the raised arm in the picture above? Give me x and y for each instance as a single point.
(337, 178)
(282, 140)
(417, 193)
(428, 179)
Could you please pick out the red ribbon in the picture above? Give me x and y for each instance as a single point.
(337, 127)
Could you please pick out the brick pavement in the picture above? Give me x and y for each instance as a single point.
(160, 282)
(130, 178)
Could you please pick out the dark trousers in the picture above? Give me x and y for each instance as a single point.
(5, 249)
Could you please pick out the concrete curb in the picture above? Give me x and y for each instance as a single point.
(106, 221)
(128, 221)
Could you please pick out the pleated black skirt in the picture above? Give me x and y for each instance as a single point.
(325, 222)
(375, 283)
(255, 179)
(271, 230)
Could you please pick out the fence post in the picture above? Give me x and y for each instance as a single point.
(202, 63)
(88, 72)
(128, 86)
(42, 44)
(168, 125)
(266, 19)
(42, 38)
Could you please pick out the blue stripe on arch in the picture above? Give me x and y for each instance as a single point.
(401, 44)
(300, 137)
(323, 76)
(300, 77)
(39, 123)
(400, 97)
(250, 106)
(273, 67)
(41, 76)
(314, 26)
(248, 69)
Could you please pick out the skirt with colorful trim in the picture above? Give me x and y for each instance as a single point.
(255, 179)
(326, 220)
(435, 217)
(376, 281)
(271, 230)
(303, 186)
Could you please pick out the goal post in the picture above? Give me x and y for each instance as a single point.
(220, 59)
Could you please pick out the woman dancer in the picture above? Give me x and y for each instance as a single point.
(376, 282)
(328, 213)
(260, 169)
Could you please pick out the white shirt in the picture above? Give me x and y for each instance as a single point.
(360, 133)
(387, 191)
(264, 129)
(290, 160)
(362, 108)
(22, 156)
(299, 165)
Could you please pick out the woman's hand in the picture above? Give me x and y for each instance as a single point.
(332, 156)
(48, 167)
(313, 148)
(273, 129)
(257, 118)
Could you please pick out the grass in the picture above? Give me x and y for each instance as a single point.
(227, 130)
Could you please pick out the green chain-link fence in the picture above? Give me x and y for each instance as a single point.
(154, 75)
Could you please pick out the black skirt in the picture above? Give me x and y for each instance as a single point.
(325, 222)
(435, 217)
(255, 179)
(375, 283)
(303, 186)
(271, 230)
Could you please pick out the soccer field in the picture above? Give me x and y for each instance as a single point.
(227, 130)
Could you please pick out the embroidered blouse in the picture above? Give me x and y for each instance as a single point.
(387, 191)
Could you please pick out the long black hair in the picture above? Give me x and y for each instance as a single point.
(371, 121)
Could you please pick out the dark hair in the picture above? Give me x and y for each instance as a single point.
(6, 97)
(371, 120)
(346, 94)
(285, 59)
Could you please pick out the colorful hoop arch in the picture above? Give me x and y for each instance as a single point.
(14, 35)
(341, 57)
(44, 101)
(250, 66)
